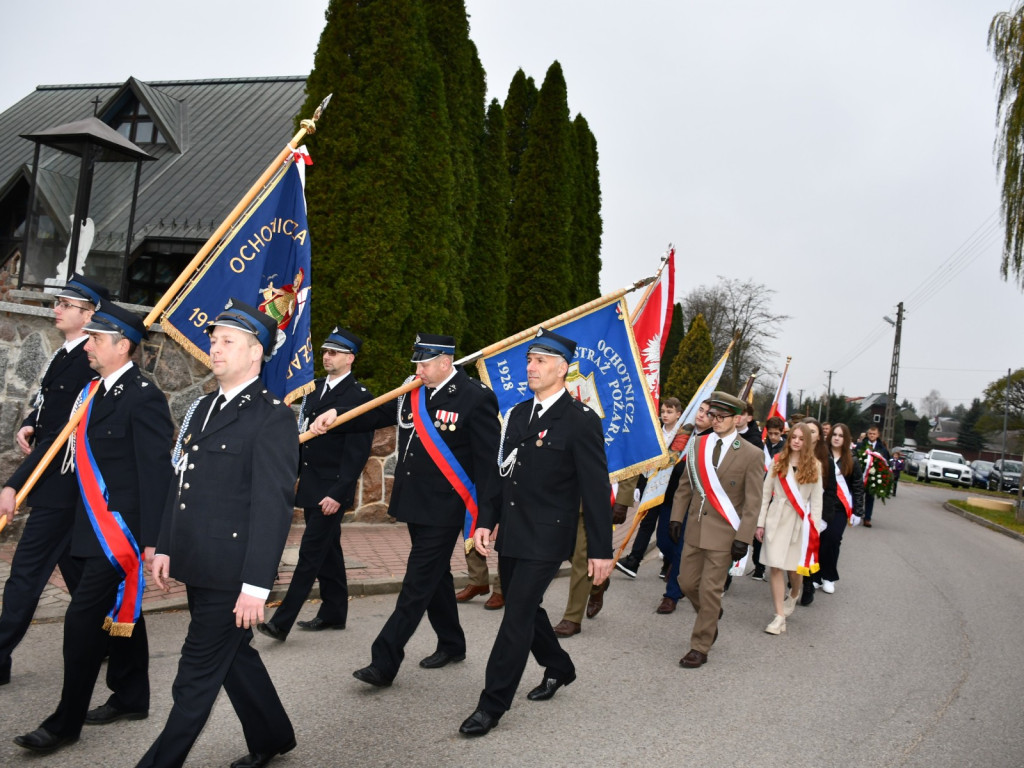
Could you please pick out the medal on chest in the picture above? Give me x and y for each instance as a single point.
(540, 437)
(445, 420)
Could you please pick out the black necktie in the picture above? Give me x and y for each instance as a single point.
(101, 390)
(536, 412)
(429, 392)
(218, 403)
(716, 452)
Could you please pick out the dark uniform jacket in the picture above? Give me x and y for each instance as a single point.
(61, 383)
(230, 507)
(541, 497)
(421, 493)
(130, 435)
(332, 463)
(832, 508)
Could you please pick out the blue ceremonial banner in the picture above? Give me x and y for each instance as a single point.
(606, 375)
(264, 261)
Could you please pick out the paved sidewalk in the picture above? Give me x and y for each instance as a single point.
(375, 555)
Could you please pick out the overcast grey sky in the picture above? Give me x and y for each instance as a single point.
(839, 153)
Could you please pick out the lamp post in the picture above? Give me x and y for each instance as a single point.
(889, 424)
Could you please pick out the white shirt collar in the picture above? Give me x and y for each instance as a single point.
(547, 402)
(230, 394)
(111, 380)
(71, 344)
(332, 383)
(447, 379)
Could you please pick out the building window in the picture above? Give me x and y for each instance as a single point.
(156, 267)
(136, 125)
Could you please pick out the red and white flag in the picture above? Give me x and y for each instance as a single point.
(779, 403)
(651, 322)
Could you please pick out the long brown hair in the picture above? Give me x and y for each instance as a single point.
(845, 454)
(807, 469)
(821, 451)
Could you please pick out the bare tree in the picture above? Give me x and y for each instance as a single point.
(934, 404)
(742, 309)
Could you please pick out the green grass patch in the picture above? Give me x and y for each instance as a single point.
(1005, 519)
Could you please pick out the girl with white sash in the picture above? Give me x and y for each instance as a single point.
(842, 504)
(789, 527)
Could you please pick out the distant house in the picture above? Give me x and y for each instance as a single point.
(872, 409)
(211, 139)
(944, 430)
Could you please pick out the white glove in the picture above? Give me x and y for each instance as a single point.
(855, 520)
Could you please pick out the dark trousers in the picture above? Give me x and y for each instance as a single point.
(758, 568)
(320, 558)
(869, 505)
(828, 551)
(427, 588)
(85, 645)
(216, 653)
(45, 543)
(525, 629)
(644, 531)
(675, 552)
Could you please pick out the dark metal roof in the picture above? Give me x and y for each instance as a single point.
(224, 133)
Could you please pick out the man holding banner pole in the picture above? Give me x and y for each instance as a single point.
(552, 461)
(121, 451)
(446, 475)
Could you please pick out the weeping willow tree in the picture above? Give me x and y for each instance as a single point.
(1006, 41)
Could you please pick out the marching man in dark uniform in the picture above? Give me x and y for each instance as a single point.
(222, 536)
(552, 460)
(330, 468)
(447, 448)
(121, 456)
(719, 498)
(46, 540)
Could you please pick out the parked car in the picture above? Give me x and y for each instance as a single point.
(913, 462)
(981, 470)
(946, 467)
(1005, 475)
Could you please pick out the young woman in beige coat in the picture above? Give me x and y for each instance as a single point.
(780, 525)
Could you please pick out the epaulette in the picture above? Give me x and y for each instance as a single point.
(581, 406)
(270, 397)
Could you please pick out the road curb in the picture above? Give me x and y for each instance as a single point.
(982, 521)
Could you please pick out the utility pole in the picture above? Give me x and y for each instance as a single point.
(828, 397)
(889, 425)
(1006, 419)
(800, 405)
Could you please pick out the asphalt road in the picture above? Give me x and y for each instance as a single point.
(916, 660)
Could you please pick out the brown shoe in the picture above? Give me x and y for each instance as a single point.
(494, 602)
(596, 601)
(693, 659)
(566, 628)
(471, 591)
(667, 605)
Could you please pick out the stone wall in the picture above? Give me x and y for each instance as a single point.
(28, 341)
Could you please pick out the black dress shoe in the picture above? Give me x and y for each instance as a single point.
(41, 740)
(270, 629)
(438, 659)
(108, 713)
(547, 688)
(478, 724)
(316, 624)
(259, 759)
(372, 675)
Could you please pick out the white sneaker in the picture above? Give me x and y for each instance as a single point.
(777, 625)
(817, 585)
(789, 605)
(828, 587)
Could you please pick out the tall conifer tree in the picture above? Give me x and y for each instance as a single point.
(486, 295)
(692, 363)
(675, 336)
(540, 275)
(380, 193)
(519, 105)
(585, 247)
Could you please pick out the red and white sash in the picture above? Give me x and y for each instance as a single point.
(767, 458)
(709, 485)
(809, 540)
(843, 492)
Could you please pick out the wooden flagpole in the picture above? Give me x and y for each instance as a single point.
(308, 127)
(647, 293)
(491, 349)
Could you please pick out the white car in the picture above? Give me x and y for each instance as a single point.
(946, 467)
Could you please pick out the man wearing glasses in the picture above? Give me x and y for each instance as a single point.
(46, 540)
(719, 496)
